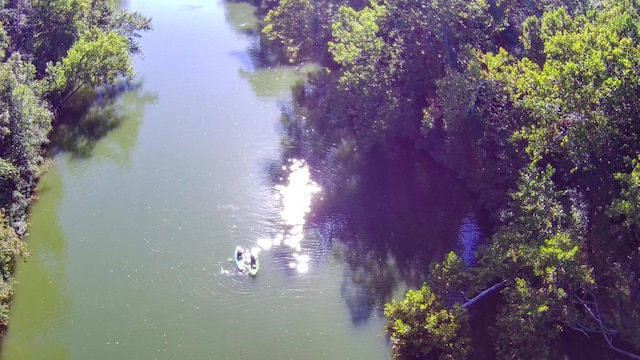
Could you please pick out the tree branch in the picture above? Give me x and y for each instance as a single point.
(68, 96)
(620, 351)
(593, 309)
(485, 293)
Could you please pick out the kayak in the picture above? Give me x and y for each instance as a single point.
(238, 257)
(254, 265)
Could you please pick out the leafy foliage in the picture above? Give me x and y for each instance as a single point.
(628, 204)
(11, 249)
(24, 126)
(535, 105)
(303, 27)
(99, 59)
(423, 327)
(540, 247)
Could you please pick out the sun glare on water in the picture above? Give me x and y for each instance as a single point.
(295, 198)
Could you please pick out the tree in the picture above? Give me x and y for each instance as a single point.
(627, 205)
(580, 103)
(577, 102)
(52, 28)
(44, 30)
(423, 327)
(393, 54)
(625, 274)
(522, 327)
(98, 59)
(534, 104)
(104, 15)
(366, 80)
(303, 27)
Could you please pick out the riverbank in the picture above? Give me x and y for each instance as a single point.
(94, 45)
(131, 245)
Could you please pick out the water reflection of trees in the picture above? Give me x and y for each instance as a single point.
(91, 114)
(395, 214)
(245, 17)
(386, 218)
(403, 214)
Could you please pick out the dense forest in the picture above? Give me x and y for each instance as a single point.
(51, 51)
(536, 106)
(533, 104)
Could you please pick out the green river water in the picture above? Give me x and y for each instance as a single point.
(131, 246)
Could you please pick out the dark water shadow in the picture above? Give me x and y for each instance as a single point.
(91, 114)
(396, 213)
(401, 214)
(389, 217)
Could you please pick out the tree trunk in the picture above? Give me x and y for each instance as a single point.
(485, 293)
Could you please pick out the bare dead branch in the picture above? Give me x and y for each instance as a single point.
(485, 293)
(589, 302)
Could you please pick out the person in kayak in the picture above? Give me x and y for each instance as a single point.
(239, 255)
(253, 261)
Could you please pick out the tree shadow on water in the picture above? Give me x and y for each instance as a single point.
(245, 18)
(91, 114)
(367, 283)
(401, 214)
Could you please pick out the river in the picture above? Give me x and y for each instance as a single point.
(131, 245)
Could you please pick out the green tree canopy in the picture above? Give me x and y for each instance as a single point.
(423, 327)
(535, 105)
(303, 27)
(97, 59)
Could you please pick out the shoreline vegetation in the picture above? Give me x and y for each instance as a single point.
(50, 51)
(535, 105)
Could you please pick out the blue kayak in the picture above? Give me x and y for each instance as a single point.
(238, 257)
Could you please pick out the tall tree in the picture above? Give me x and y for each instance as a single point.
(97, 59)
(54, 27)
(303, 27)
